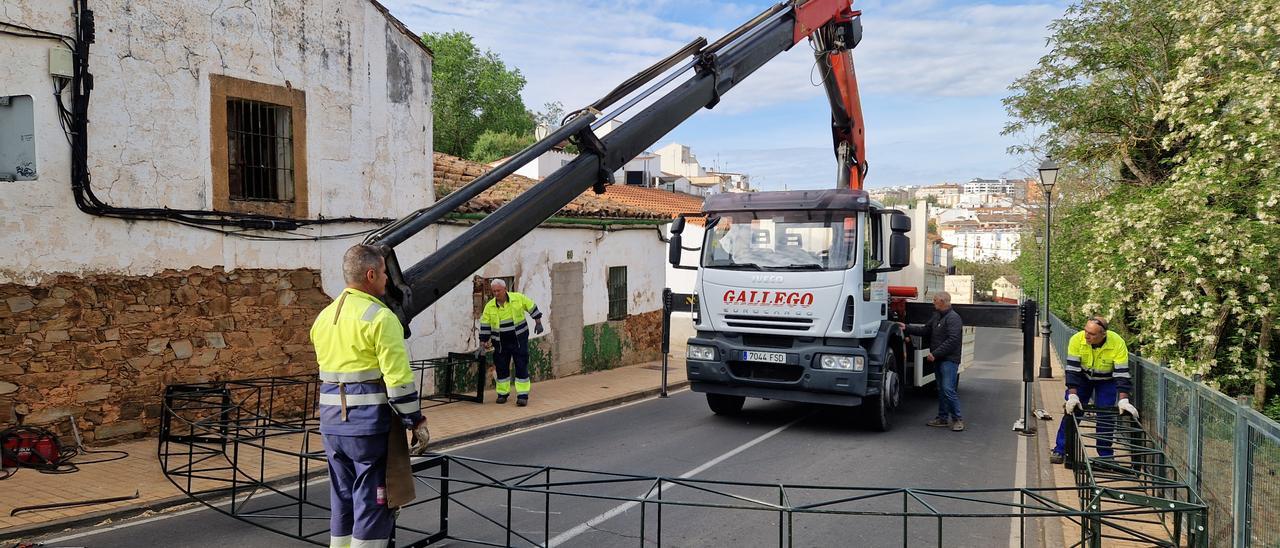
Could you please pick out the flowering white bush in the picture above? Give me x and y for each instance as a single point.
(1186, 267)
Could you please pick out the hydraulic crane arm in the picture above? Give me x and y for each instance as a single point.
(837, 31)
(831, 25)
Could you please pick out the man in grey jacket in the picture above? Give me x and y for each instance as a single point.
(946, 335)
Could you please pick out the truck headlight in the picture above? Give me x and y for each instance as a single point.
(841, 363)
(698, 352)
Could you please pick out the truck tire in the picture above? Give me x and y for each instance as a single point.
(722, 404)
(877, 411)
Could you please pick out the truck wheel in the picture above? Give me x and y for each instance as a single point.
(878, 410)
(722, 404)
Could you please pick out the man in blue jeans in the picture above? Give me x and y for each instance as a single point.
(946, 335)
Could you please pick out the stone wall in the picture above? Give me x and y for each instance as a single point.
(611, 344)
(102, 347)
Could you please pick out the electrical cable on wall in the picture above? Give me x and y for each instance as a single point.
(75, 120)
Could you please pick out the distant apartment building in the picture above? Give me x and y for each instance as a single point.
(989, 186)
(944, 195)
(989, 237)
(677, 159)
(894, 195)
(732, 182)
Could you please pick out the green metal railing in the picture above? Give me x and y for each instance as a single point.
(1229, 453)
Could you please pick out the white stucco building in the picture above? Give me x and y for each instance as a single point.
(931, 257)
(978, 241)
(311, 117)
(598, 280)
(677, 159)
(297, 125)
(343, 130)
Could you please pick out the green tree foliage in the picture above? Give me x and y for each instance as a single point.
(984, 272)
(474, 92)
(1098, 90)
(493, 145)
(1186, 263)
(550, 116)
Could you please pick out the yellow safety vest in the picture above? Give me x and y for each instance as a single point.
(1109, 361)
(364, 366)
(507, 318)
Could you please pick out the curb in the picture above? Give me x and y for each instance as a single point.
(119, 514)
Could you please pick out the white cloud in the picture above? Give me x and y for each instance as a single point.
(575, 51)
(947, 60)
(568, 51)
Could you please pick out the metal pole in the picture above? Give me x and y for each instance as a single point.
(1046, 372)
(667, 303)
(1026, 424)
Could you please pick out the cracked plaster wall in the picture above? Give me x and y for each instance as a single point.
(368, 91)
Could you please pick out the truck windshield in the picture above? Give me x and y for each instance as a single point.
(782, 240)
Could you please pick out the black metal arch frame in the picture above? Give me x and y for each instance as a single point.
(244, 449)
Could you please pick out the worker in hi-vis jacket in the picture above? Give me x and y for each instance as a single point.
(503, 325)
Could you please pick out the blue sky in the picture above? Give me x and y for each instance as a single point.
(931, 72)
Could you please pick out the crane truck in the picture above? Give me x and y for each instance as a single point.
(794, 309)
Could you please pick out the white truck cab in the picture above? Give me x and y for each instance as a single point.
(791, 302)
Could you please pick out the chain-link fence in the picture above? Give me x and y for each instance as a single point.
(1227, 451)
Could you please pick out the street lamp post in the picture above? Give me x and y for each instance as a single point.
(1048, 176)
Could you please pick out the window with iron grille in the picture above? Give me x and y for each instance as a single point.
(259, 151)
(617, 292)
(258, 147)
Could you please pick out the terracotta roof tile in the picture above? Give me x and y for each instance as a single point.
(669, 204)
(451, 173)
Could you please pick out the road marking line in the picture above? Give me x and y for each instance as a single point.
(622, 508)
(1019, 481)
(201, 507)
(559, 421)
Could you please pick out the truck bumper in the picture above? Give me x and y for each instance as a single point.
(800, 379)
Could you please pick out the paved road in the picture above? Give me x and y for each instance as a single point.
(770, 442)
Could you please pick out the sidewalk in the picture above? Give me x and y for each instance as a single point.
(451, 425)
(1056, 475)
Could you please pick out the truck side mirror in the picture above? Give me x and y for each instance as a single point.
(677, 225)
(899, 243)
(899, 250)
(900, 222)
(674, 247)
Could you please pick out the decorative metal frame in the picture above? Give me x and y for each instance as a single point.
(456, 377)
(244, 448)
(1135, 476)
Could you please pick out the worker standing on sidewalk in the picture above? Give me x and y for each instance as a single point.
(1097, 368)
(946, 339)
(504, 316)
(367, 398)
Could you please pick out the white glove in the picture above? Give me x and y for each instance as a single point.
(420, 438)
(1126, 407)
(1073, 404)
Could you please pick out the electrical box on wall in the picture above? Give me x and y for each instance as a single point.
(17, 138)
(60, 62)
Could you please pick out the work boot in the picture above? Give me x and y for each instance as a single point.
(502, 398)
(1056, 458)
(958, 425)
(522, 400)
(939, 421)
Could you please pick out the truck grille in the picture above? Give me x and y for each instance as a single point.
(766, 371)
(768, 322)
